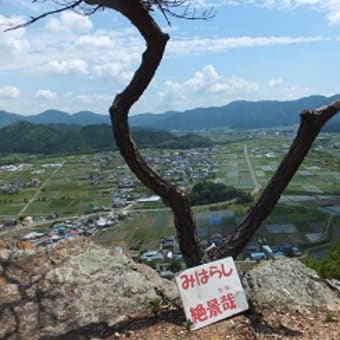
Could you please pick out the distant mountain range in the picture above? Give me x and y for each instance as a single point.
(81, 118)
(238, 114)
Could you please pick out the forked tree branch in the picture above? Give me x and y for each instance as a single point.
(166, 7)
(138, 12)
(311, 122)
(156, 41)
(32, 20)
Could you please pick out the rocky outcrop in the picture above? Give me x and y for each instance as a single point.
(286, 283)
(71, 286)
(79, 290)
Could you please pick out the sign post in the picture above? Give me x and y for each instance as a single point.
(211, 292)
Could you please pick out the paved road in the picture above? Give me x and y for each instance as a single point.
(256, 183)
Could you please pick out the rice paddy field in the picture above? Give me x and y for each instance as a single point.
(67, 185)
(308, 213)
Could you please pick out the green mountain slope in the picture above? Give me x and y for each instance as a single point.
(49, 139)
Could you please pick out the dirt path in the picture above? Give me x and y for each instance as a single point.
(39, 190)
(256, 183)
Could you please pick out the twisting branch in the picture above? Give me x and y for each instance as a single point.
(138, 12)
(166, 7)
(32, 20)
(311, 123)
(156, 41)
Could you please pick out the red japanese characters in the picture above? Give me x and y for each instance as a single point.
(211, 292)
(202, 276)
(212, 308)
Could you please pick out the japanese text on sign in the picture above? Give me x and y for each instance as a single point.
(202, 276)
(211, 292)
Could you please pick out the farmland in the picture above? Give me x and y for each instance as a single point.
(308, 213)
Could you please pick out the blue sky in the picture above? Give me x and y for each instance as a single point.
(253, 50)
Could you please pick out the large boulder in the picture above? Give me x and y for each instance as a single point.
(71, 286)
(287, 282)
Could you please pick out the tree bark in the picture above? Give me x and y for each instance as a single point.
(311, 123)
(156, 41)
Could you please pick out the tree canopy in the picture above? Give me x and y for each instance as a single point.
(329, 266)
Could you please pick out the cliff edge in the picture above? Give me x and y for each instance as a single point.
(79, 290)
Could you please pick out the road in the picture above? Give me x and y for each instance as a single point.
(256, 183)
(323, 238)
(39, 190)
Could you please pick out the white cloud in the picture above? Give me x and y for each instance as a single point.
(9, 92)
(215, 3)
(331, 7)
(92, 98)
(117, 71)
(12, 42)
(94, 41)
(275, 82)
(199, 45)
(205, 88)
(107, 70)
(293, 91)
(45, 94)
(334, 17)
(70, 22)
(24, 4)
(65, 67)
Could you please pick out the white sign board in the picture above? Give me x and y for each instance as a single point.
(211, 292)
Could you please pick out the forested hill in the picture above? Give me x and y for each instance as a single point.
(238, 114)
(49, 139)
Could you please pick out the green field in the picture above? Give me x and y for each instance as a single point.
(145, 228)
(68, 189)
(73, 185)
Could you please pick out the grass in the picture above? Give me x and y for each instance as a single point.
(149, 227)
(64, 191)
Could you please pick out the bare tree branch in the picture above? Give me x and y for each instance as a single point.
(156, 41)
(166, 7)
(311, 123)
(138, 12)
(32, 20)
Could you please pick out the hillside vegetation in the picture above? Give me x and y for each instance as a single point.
(329, 266)
(26, 137)
(207, 192)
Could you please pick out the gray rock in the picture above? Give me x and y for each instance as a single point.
(287, 282)
(72, 286)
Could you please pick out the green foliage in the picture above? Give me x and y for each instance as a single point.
(329, 266)
(175, 266)
(24, 137)
(243, 197)
(188, 141)
(330, 317)
(208, 192)
(188, 324)
(155, 306)
(121, 217)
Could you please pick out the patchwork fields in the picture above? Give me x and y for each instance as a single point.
(308, 213)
